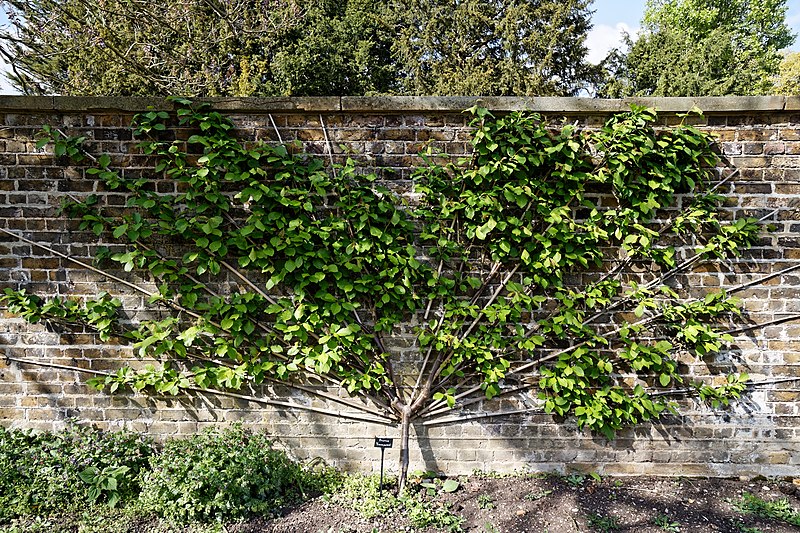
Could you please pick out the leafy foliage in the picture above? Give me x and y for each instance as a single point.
(216, 475)
(788, 80)
(775, 510)
(208, 48)
(43, 474)
(294, 273)
(224, 474)
(296, 47)
(449, 47)
(702, 48)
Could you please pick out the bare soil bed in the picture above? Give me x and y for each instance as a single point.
(555, 504)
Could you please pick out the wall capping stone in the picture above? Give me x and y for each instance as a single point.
(405, 104)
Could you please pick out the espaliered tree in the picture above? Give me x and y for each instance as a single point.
(296, 273)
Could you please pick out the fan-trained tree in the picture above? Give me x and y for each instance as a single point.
(290, 272)
(703, 48)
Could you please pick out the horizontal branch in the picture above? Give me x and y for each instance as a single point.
(762, 279)
(436, 409)
(265, 401)
(782, 320)
(458, 419)
(749, 385)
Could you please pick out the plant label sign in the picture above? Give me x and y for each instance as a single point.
(383, 442)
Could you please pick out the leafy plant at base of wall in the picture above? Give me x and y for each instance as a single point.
(292, 273)
(103, 482)
(226, 474)
(48, 473)
(417, 503)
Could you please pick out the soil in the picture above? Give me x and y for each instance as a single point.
(554, 504)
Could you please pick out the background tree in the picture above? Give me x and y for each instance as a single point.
(297, 47)
(788, 80)
(508, 47)
(300, 276)
(703, 48)
(199, 47)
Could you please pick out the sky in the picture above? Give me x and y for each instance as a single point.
(611, 18)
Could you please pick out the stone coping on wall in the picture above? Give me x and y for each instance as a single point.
(404, 104)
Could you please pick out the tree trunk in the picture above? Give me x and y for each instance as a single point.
(404, 433)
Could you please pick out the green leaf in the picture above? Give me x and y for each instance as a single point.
(664, 379)
(451, 485)
(483, 231)
(89, 474)
(113, 499)
(119, 231)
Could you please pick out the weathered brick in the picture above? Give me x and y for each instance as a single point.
(761, 134)
(785, 161)
(789, 134)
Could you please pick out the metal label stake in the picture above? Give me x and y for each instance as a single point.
(382, 443)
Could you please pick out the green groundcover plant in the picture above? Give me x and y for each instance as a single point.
(49, 473)
(219, 474)
(227, 474)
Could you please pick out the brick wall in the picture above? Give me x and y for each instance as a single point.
(758, 436)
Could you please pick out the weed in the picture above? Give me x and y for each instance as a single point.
(665, 523)
(533, 496)
(434, 485)
(423, 515)
(104, 482)
(744, 529)
(575, 480)
(488, 527)
(361, 494)
(776, 510)
(485, 501)
(603, 523)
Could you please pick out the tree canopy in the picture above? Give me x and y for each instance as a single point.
(297, 47)
(788, 79)
(702, 48)
(510, 47)
(199, 47)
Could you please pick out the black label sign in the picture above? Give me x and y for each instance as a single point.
(383, 442)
